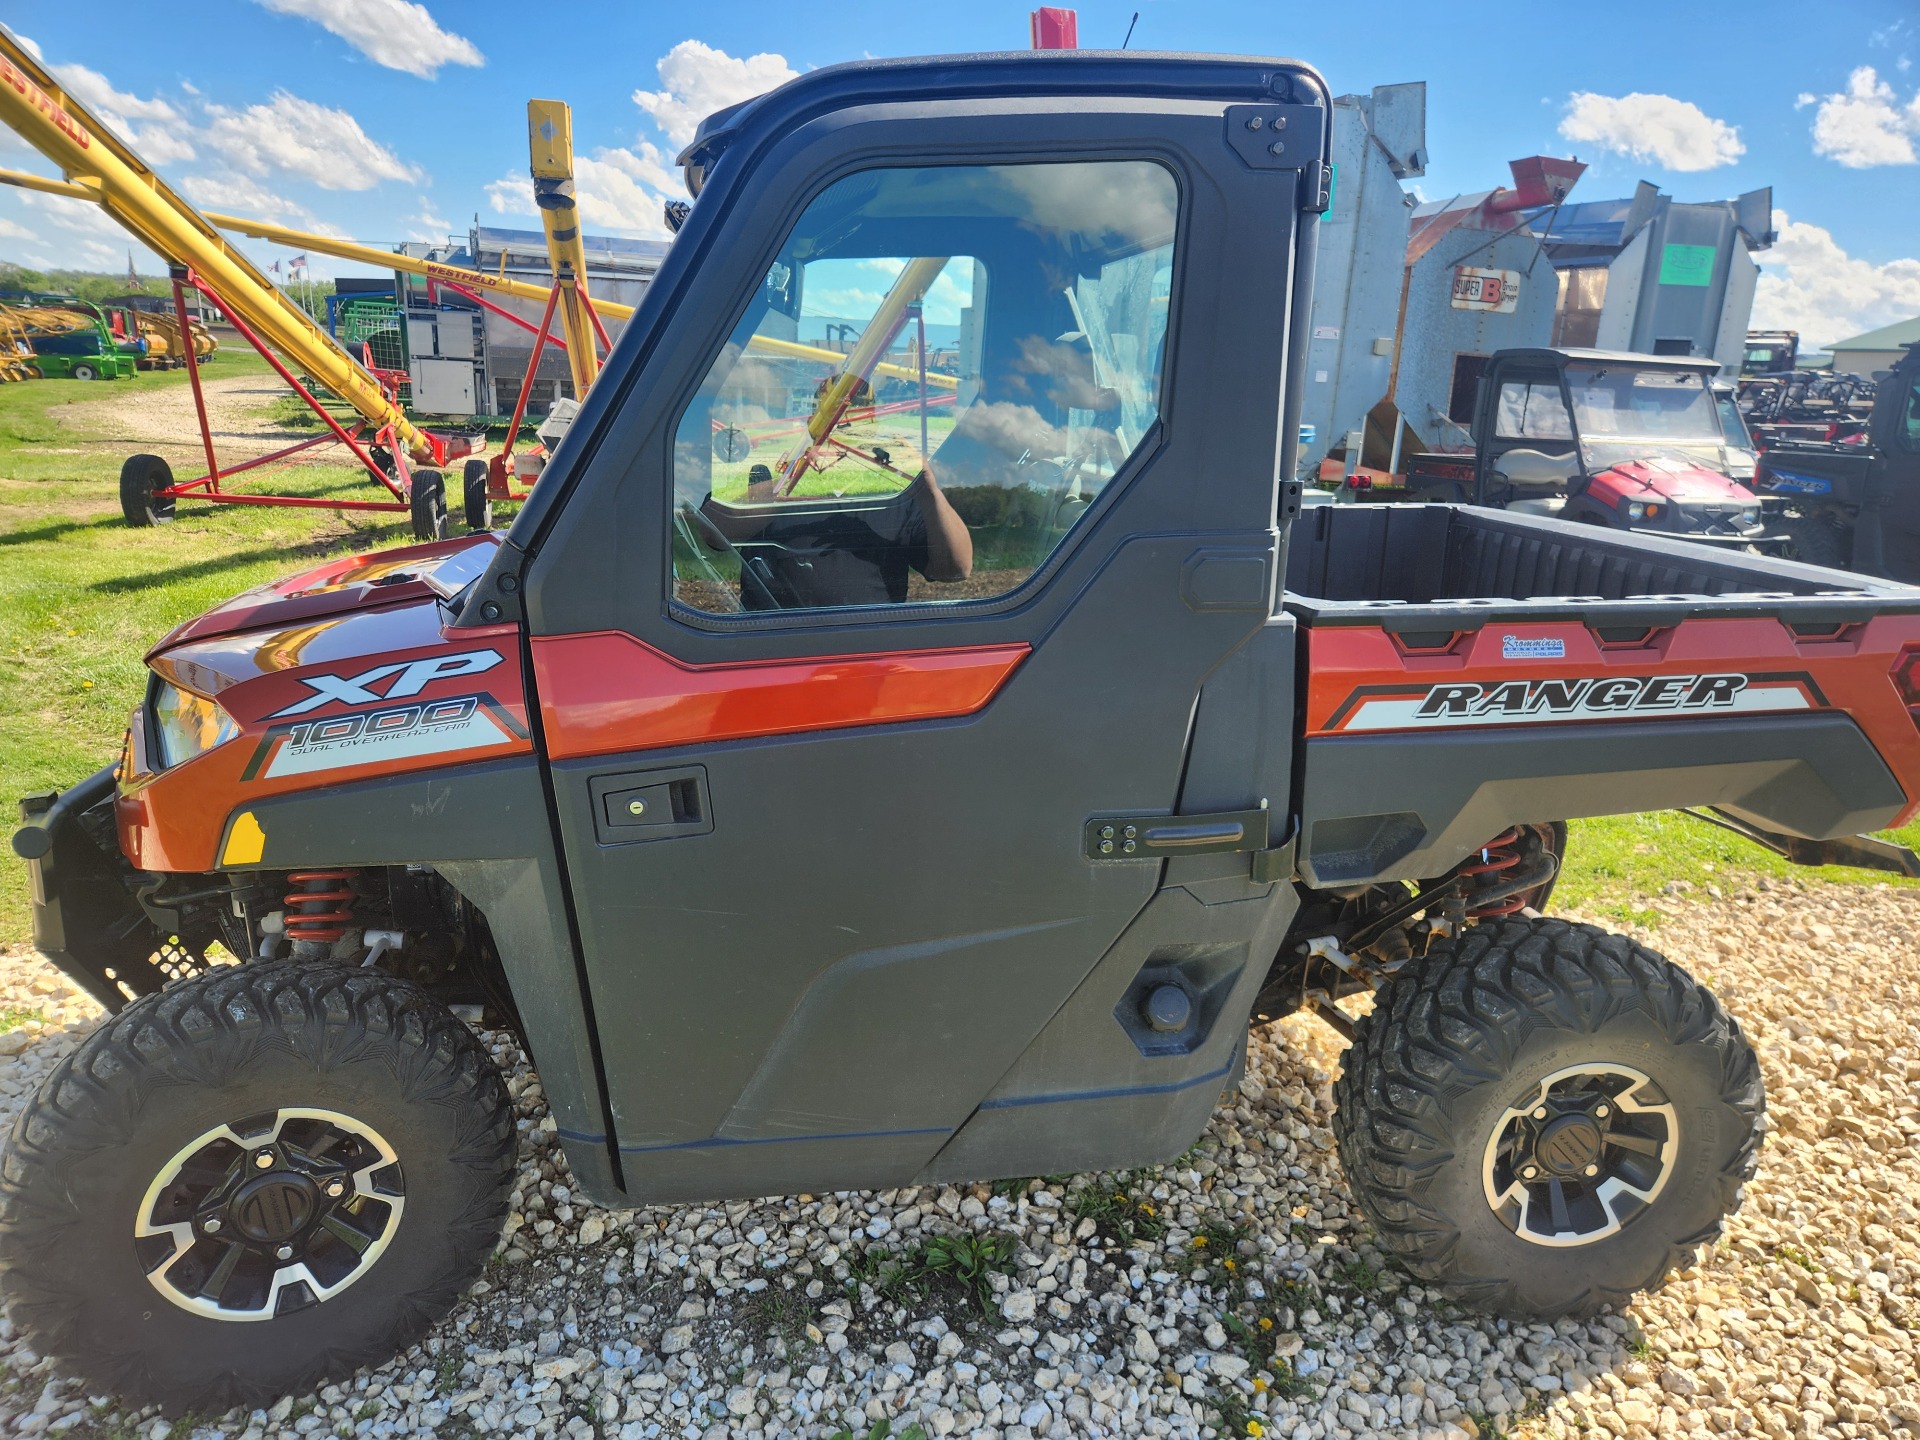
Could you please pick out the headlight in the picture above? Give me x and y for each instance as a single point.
(1750, 516)
(1636, 511)
(187, 725)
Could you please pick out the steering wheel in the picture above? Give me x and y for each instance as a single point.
(716, 539)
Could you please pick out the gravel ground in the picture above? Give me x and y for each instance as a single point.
(162, 420)
(1232, 1292)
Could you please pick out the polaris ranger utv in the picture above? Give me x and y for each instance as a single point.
(843, 790)
(1855, 505)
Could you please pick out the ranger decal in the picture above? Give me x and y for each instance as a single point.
(1608, 697)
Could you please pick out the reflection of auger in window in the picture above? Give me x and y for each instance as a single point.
(877, 339)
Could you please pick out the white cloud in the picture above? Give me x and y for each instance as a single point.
(427, 227)
(697, 80)
(393, 33)
(160, 140)
(230, 193)
(300, 137)
(1810, 284)
(1864, 125)
(1674, 133)
(618, 190)
(11, 231)
(1804, 99)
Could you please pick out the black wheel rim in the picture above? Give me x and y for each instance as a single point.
(270, 1214)
(1582, 1156)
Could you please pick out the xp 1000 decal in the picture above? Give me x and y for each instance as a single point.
(1451, 704)
(418, 728)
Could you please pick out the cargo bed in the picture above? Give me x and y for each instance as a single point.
(1427, 567)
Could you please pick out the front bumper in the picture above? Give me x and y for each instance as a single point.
(86, 917)
(1758, 538)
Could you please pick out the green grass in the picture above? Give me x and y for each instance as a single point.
(1618, 865)
(82, 596)
(14, 1019)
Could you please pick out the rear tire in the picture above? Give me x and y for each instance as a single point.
(479, 505)
(84, 371)
(1439, 1106)
(143, 478)
(1816, 540)
(107, 1256)
(428, 496)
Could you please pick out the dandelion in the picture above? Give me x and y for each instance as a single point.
(1259, 1384)
(1199, 1242)
(1231, 1264)
(86, 684)
(1147, 1210)
(1266, 1322)
(1254, 1427)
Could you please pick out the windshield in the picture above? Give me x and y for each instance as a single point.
(1646, 409)
(1733, 425)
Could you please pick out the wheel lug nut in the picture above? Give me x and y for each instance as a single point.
(336, 1188)
(1541, 1113)
(1593, 1169)
(1528, 1173)
(285, 1252)
(1600, 1112)
(263, 1160)
(211, 1225)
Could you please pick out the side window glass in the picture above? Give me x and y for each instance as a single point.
(1912, 428)
(943, 369)
(1532, 411)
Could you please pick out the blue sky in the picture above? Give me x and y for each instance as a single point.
(388, 120)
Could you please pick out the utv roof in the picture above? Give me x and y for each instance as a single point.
(1553, 355)
(1063, 72)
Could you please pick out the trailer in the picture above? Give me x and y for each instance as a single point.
(99, 165)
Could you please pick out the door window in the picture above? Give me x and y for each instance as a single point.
(1532, 410)
(939, 374)
(1910, 431)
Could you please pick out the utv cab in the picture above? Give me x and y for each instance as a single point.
(1630, 442)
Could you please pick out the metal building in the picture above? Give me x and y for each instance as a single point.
(468, 360)
(1658, 276)
(1476, 280)
(1379, 140)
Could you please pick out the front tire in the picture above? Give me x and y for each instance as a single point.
(84, 372)
(428, 498)
(1816, 540)
(1544, 1118)
(253, 1183)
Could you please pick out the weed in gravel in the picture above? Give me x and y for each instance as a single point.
(1357, 1276)
(882, 1430)
(14, 1019)
(447, 1378)
(1118, 1207)
(959, 1266)
(784, 1315)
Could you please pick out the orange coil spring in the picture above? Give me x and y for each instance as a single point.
(1497, 856)
(320, 906)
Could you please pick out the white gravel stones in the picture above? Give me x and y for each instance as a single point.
(763, 1319)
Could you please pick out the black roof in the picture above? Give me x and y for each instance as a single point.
(1556, 356)
(1013, 72)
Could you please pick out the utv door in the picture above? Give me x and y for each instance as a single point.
(1891, 522)
(932, 485)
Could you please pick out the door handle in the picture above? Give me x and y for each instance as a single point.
(637, 805)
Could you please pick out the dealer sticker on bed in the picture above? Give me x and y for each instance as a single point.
(1521, 647)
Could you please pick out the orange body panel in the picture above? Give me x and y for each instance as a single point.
(174, 820)
(1364, 679)
(606, 692)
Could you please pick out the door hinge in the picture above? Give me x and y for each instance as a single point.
(1157, 837)
(1278, 137)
